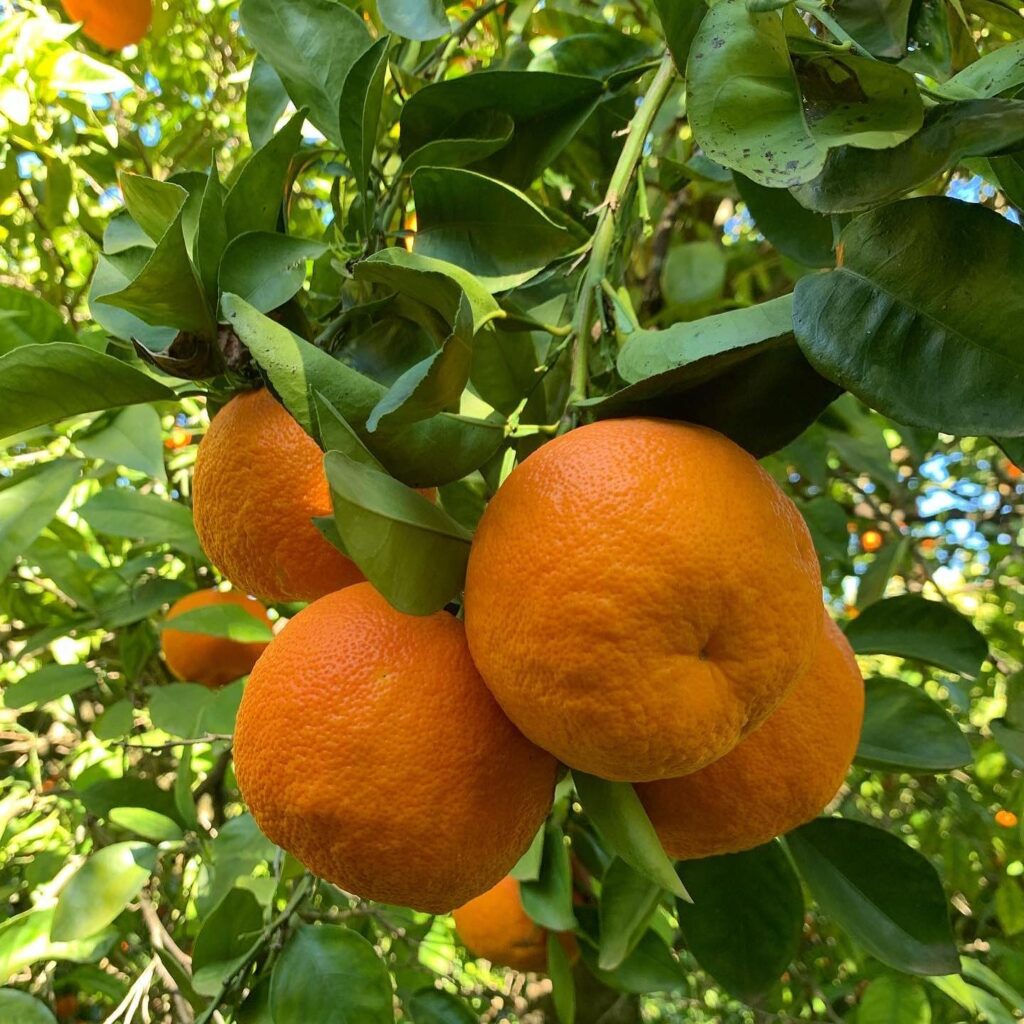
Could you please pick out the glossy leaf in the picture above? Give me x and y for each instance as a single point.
(226, 935)
(48, 683)
(312, 45)
(133, 439)
(745, 923)
(29, 502)
(548, 898)
(101, 888)
(266, 100)
(411, 550)
(651, 967)
(905, 729)
(414, 19)
(887, 307)
(143, 517)
(886, 895)
(352, 983)
(680, 20)
(47, 383)
(480, 133)
(361, 98)
(267, 269)
(484, 226)
(211, 235)
(616, 811)
(911, 626)
(628, 901)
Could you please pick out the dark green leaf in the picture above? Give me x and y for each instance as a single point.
(911, 626)
(414, 19)
(905, 729)
(411, 550)
(312, 45)
(352, 983)
(143, 517)
(616, 811)
(484, 226)
(548, 899)
(797, 233)
(266, 100)
(101, 888)
(480, 133)
(680, 20)
(651, 967)
(225, 937)
(906, 294)
(211, 235)
(628, 901)
(745, 923)
(133, 439)
(231, 621)
(18, 1007)
(880, 26)
(267, 269)
(563, 986)
(29, 502)
(120, 323)
(48, 683)
(153, 205)
(886, 895)
(435, 1006)
(361, 99)
(45, 383)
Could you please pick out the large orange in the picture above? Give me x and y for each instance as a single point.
(496, 927)
(210, 660)
(780, 776)
(113, 24)
(640, 596)
(259, 482)
(368, 746)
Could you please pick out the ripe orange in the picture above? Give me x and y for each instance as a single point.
(871, 541)
(640, 595)
(210, 660)
(368, 746)
(496, 927)
(1005, 818)
(113, 24)
(258, 484)
(780, 776)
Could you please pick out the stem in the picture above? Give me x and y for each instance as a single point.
(605, 232)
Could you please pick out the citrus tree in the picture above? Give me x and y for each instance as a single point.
(511, 511)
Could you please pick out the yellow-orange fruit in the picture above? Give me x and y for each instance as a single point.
(780, 776)
(368, 746)
(640, 596)
(114, 24)
(259, 483)
(210, 660)
(496, 927)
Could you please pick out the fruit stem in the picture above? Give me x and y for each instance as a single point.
(605, 232)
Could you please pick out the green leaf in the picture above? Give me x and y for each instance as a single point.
(740, 372)
(618, 815)
(139, 602)
(179, 709)
(680, 20)
(1009, 906)
(184, 801)
(267, 269)
(48, 683)
(411, 550)
(651, 967)
(996, 72)
(855, 179)
(20, 1008)
(563, 986)
(414, 19)
(133, 439)
(742, 98)
(480, 133)
(167, 291)
(46, 383)
(435, 1006)
(361, 99)
(693, 274)
(796, 232)
(880, 26)
(113, 275)
(885, 894)
(910, 626)
(115, 722)
(143, 517)
(312, 45)
(352, 983)
(101, 888)
(628, 902)
(894, 1000)
(746, 920)
(153, 205)
(485, 227)
(226, 935)
(905, 729)
(906, 293)
(547, 109)
(230, 621)
(25, 939)
(527, 868)
(151, 825)
(27, 320)
(254, 201)
(29, 502)
(76, 72)
(266, 100)
(885, 565)
(548, 899)
(436, 451)
(211, 235)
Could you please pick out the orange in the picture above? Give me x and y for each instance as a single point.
(640, 595)
(210, 660)
(259, 482)
(496, 927)
(1006, 819)
(780, 776)
(114, 24)
(368, 746)
(871, 541)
